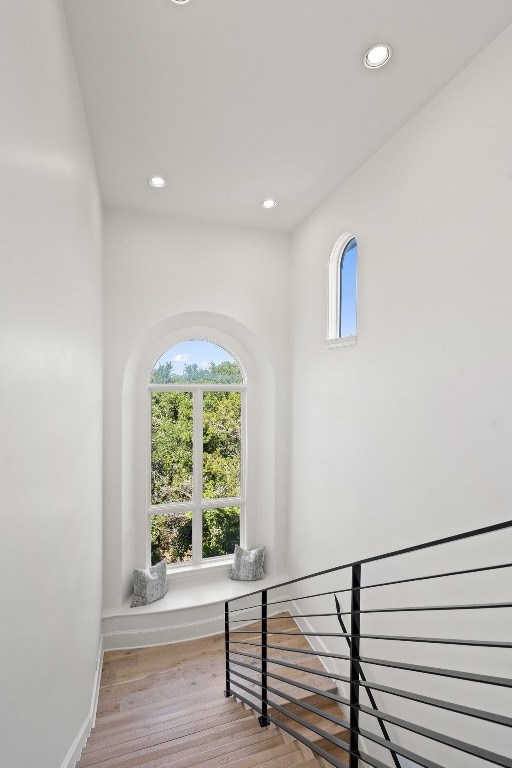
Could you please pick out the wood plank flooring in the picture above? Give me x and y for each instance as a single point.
(164, 707)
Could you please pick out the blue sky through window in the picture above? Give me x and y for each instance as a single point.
(195, 351)
(348, 290)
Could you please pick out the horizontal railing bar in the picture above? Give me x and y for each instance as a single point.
(303, 686)
(292, 634)
(441, 738)
(311, 726)
(292, 700)
(398, 638)
(249, 620)
(443, 575)
(324, 715)
(464, 607)
(376, 637)
(420, 730)
(480, 714)
(383, 584)
(394, 553)
(287, 599)
(315, 748)
(317, 594)
(377, 714)
(297, 667)
(311, 744)
(344, 657)
(419, 760)
(369, 760)
(306, 651)
(456, 674)
(439, 640)
(424, 762)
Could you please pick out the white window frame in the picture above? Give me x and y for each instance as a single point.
(334, 293)
(198, 503)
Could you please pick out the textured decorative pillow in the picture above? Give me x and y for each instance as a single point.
(149, 584)
(248, 564)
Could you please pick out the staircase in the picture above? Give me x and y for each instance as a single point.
(165, 706)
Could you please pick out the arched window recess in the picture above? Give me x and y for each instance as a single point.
(342, 300)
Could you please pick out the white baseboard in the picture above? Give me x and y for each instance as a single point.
(118, 640)
(75, 750)
(97, 682)
(121, 639)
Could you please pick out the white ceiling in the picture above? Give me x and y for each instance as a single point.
(234, 101)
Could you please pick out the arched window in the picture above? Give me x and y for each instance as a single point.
(196, 483)
(342, 324)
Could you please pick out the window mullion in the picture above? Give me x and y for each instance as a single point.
(197, 493)
(243, 467)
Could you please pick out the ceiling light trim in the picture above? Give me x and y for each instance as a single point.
(378, 60)
(157, 182)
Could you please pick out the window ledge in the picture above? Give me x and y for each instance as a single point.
(184, 593)
(342, 341)
(193, 572)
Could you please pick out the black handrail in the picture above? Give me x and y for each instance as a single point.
(394, 553)
(250, 674)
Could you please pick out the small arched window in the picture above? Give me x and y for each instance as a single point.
(196, 482)
(342, 322)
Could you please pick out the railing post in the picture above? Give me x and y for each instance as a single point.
(355, 631)
(227, 691)
(263, 721)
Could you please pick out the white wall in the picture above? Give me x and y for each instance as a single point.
(50, 393)
(406, 436)
(163, 274)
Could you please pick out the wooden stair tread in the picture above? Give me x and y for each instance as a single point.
(148, 736)
(179, 745)
(164, 707)
(150, 724)
(108, 720)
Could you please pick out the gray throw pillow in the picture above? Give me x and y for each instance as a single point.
(248, 564)
(149, 584)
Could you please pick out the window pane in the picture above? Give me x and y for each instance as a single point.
(221, 444)
(171, 538)
(171, 447)
(221, 531)
(196, 362)
(348, 290)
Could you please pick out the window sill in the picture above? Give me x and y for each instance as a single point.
(343, 341)
(219, 566)
(189, 593)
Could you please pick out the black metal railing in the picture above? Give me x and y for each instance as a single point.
(285, 659)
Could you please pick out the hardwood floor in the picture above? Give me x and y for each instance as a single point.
(164, 707)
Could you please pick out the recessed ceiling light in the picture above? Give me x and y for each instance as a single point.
(268, 204)
(157, 181)
(378, 55)
(180, 2)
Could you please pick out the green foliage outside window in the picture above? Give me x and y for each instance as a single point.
(172, 461)
(216, 373)
(171, 447)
